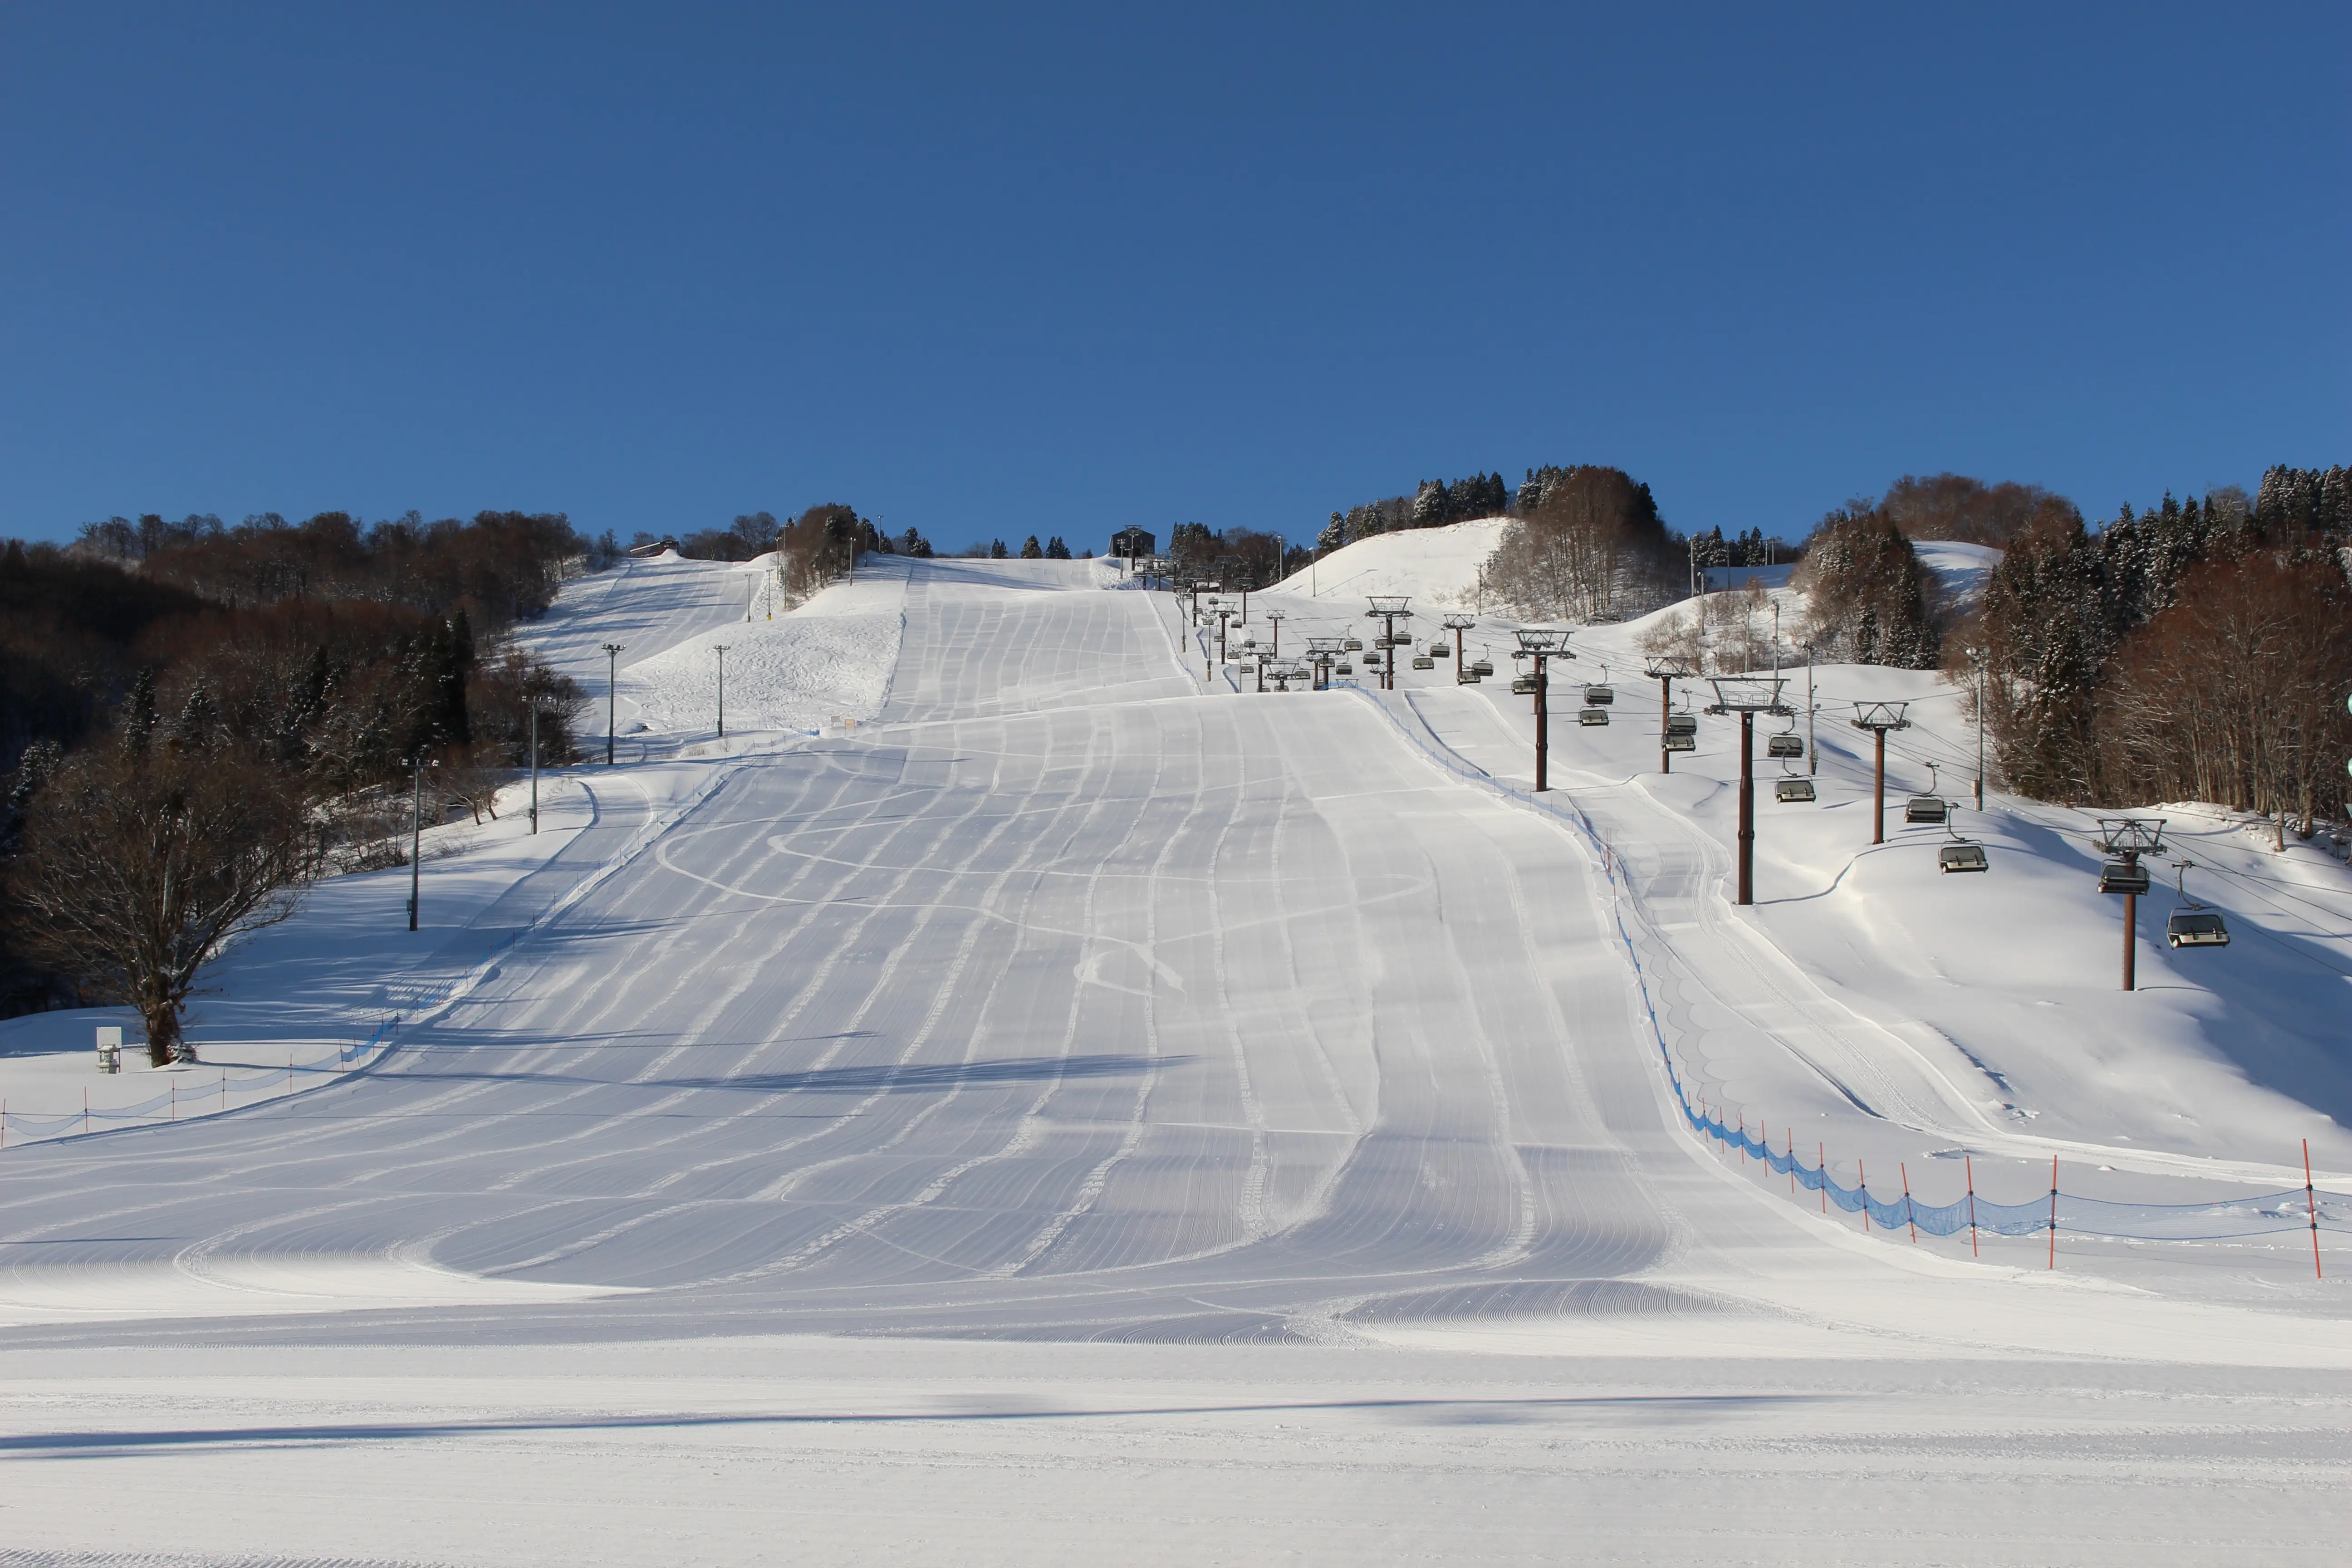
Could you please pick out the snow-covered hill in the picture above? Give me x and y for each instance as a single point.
(1087, 995)
(1435, 565)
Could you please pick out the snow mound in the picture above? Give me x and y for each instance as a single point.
(1438, 566)
(832, 658)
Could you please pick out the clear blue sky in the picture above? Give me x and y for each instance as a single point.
(990, 273)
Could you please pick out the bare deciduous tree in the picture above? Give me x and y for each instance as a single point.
(141, 866)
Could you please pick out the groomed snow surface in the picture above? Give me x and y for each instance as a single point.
(1087, 1111)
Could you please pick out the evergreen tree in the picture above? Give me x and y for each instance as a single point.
(1031, 550)
(996, 550)
(1056, 550)
(139, 713)
(200, 728)
(1334, 535)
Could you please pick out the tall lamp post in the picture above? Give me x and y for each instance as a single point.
(611, 694)
(1747, 696)
(1976, 667)
(1879, 717)
(534, 765)
(1388, 609)
(1812, 750)
(720, 648)
(1543, 644)
(1665, 672)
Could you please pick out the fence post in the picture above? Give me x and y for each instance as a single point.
(1909, 1217)
(1862, 1180)
(2311, 1201)
(1793, 1162)
(2053, 1210)
(1822, 1159)
(1968, 1163)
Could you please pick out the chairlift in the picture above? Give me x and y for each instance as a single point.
(1678, 741)
(1485, 667)
(1929, 808)
(1963, 857)
(1681, 724)
(1440, 651)
(1590, 717)
(1344, 667)
(2123, 876)
(1787, 790)
(1523, 685)
(1353, 645)
(1422, 662)
(2196, 925)
(1470, 678)
(1786, 744)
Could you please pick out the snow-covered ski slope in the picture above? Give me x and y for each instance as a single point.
(1080, 996)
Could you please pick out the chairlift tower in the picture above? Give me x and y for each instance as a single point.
(1747, 695)
(2127, 839)
(1879, 717)
(1388, 609)
(611, 694)
(1542, 644)
(1276, 617)
(1665, 672)
(1320, 652)
(1457, 625)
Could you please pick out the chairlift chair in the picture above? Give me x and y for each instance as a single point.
(1600, 696)
(1422, 662)
(1523, 685)
(1786, 744)
(2123, 876)
(2195, 925)
(1590, 717)
(2197, 928)
(1677, 741)
(1681, 724)
(1930, 808)
(1440, 651)
(1962, 856)
(1787, 790)
(1344, 667)
(1353, 645)
(1485, 667)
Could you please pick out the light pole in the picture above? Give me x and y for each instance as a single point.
(1543, 644)
(1976, 664)
(534, 766)
(416, 835)
(1388, 609)
(1747, 696)
(1878, 717)
(1812, 751)
(1665, 672)
(611, 694)
(720, 649)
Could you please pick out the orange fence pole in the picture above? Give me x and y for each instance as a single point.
(1968, 1163)
(2311, 1201)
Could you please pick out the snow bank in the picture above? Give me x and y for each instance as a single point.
(1438, 566)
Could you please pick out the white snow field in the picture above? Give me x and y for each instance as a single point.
(1091, 1113)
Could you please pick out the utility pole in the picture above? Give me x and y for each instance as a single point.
(1747, 696)
(534, 766)
(611, 694)
(1666, 671)
(1543, 644)
(1388, 609)
(1878, 717)
(720, 648)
